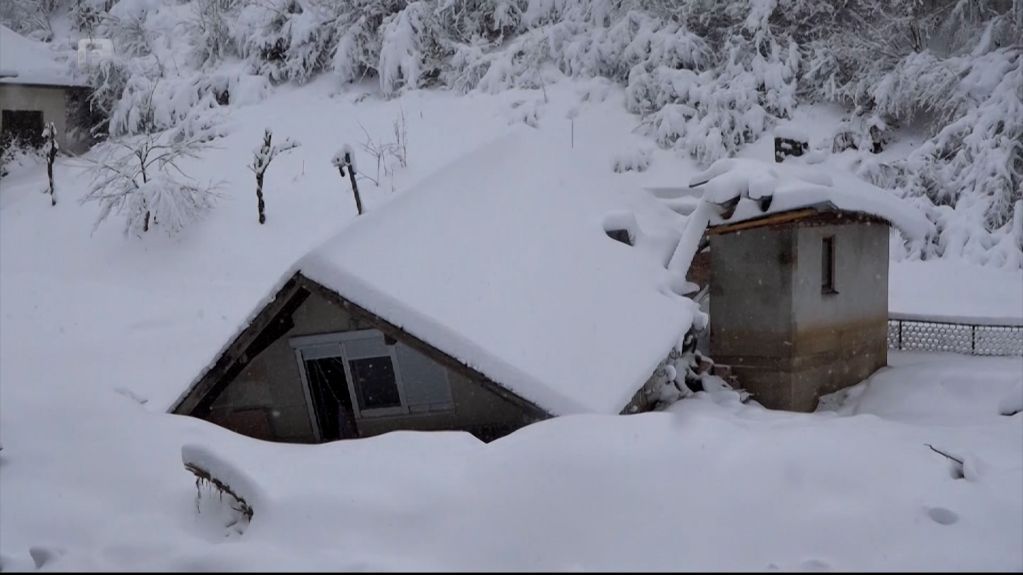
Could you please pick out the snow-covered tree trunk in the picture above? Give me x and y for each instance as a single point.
(261, 159)
(50, 133)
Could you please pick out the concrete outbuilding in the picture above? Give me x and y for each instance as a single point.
(796, 260)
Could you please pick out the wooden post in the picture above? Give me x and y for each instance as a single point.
(351, 177)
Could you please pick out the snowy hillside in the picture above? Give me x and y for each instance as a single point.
(935, 82)
(101, 330)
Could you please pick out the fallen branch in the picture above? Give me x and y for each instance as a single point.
(940, 452)
(202, 475)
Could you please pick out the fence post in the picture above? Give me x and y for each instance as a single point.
(899, 321)
(973, 340)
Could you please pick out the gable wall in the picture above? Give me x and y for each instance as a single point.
(270, 389)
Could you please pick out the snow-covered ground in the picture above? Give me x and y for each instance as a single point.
(712, 484)
(99, 333)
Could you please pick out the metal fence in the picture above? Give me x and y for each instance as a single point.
(980, 338)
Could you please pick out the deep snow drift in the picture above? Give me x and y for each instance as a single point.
(711, 484)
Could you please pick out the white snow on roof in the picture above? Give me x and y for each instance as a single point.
(25, 61)
(501, 260)
(793, 186)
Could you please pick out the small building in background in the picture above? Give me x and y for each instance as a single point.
(36, 89)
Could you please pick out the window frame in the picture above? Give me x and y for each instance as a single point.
(340, 338)
(828, 265)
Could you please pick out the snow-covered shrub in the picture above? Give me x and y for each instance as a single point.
(15, 153)
(286, 39)
(139, 178)
(411, 54)
(676, 375)
(30, 18)
(631, 161)
(210, 28)
(127, 28)
(488, 20)
(187, 105)
(387, 154)
(86, 15)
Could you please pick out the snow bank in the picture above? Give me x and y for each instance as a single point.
(955, 291)
(501, 267)
(793, 187)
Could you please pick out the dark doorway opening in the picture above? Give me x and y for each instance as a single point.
(331, 398)
(22, 128)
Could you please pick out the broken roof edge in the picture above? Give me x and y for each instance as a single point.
(794, 215)
(771, 188)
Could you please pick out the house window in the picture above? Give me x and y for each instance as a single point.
(375, 383)
(828, 265)
(369, 375)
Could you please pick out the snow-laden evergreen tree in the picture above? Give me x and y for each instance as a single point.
(261, 158)
(706, 76)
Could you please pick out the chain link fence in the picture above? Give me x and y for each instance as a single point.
(919, 334)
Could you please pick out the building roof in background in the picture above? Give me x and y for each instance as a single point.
(25, 61)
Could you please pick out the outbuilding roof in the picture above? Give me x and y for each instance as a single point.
(747, 189)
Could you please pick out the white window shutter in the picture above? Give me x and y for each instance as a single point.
(425, 382)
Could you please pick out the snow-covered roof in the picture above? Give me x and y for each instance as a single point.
(25, 61)
(765, 188)
(501, 260)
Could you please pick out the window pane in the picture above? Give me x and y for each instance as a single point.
(374, 382)
(828, 264)
(331, 399)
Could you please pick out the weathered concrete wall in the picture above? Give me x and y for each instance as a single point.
(787, 342)
(840, 338)
(751, 307)
(271, 383)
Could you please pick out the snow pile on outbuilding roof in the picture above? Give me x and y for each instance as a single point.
(503, 261)
(764, 188)
(25, 61)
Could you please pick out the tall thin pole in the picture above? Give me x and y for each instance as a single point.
(351, 177)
